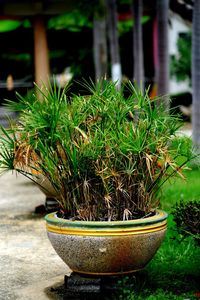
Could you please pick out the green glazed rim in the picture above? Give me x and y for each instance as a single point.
(159, 217)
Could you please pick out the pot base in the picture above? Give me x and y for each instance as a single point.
(106, 274)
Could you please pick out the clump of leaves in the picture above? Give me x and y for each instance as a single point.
(105, 155)
(187, 219)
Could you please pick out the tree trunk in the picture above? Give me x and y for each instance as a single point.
(41, 58)
(99, 42)
(196, 76)
(162, 71)
(138, 72)
(113, 42)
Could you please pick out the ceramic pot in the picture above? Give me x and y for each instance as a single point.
(46, 187)
(106, 248)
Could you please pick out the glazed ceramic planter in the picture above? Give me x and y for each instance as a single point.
(106, 248)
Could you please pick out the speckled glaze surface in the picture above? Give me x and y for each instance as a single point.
(106, 248)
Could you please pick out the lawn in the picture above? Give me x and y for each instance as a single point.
(178, 189)
(174, 272)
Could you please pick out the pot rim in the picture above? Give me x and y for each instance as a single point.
(159, 217)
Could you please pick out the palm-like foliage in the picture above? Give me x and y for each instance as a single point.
(105, 155)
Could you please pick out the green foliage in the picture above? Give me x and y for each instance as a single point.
(6, 149)
(25, 57)
(181, 64)
(72, 21)
(127, 25)
(106, 156)
(187, 219)
(9, 25)
(82, 16)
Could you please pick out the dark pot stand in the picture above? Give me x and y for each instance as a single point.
(79, 287)
(93, 287)
(50, 205)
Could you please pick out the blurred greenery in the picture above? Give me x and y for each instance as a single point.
(72, 21)
(180, 65)
(127, 25)
(17, 56)
(8, 25)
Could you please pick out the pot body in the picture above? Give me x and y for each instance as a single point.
(106, 248)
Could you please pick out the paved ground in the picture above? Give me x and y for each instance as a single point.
(29, 267)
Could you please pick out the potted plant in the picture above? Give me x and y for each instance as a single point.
(106, 157)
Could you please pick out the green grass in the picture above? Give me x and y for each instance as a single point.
(174, 272)
(179, 189)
